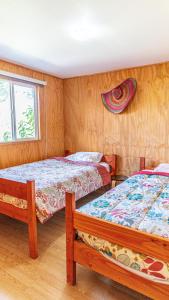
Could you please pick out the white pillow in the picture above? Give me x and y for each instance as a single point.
(104, 164)
(86, 156)
(162, 168)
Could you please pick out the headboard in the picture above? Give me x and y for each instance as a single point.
(109, 159)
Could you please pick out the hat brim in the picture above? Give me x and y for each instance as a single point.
(117, 99)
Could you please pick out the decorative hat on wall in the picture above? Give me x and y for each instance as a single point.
(119, 98)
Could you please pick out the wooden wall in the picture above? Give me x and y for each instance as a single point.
(141, 130)
(52, 125)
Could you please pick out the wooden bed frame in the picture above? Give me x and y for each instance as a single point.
(142, 163)
(26, 191)
(79, 252)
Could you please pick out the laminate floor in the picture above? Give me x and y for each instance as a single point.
(22, 278)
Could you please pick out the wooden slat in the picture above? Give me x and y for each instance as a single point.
(70, 236)
(136, 240)
(92, 259)
(24, 191)
(32, 221)
(13, 188)
(13, 212)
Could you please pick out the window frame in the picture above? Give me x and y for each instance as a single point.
(37, 137)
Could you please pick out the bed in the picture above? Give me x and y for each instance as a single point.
(37, 190)
(122, 236)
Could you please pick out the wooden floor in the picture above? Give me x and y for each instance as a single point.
(44, 278)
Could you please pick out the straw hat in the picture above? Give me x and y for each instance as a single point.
(119, 98)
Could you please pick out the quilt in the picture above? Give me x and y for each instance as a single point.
(53, 177)
(140, 202)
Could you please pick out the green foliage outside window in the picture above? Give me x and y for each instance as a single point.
(26, 127)
(7, 136)
(18, 123)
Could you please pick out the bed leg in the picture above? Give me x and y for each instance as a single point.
(70, 237)
(32, 221)
(33, 245)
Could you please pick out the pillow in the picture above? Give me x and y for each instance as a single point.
(104, 164)
(86, 156)
(162, 168)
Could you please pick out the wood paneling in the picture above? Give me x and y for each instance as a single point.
(141, 130)
(51, 120)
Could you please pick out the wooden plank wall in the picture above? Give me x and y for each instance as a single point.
(141, 130)
(52, 123)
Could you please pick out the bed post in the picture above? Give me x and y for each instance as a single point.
(114, 163)
(67, 152)
(32, 221)
(70, 237)
(142, 163)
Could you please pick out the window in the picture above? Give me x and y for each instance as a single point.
(18, 111)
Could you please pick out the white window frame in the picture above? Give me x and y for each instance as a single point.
(13, 114)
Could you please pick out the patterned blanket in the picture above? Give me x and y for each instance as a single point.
(53, 177)
(141, 202)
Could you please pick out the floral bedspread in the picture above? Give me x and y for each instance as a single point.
(141, 202)
(53, 177)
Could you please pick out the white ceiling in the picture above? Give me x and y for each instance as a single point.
(75, 37)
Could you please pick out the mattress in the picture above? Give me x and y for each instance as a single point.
(53, 177)
(141, 202)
